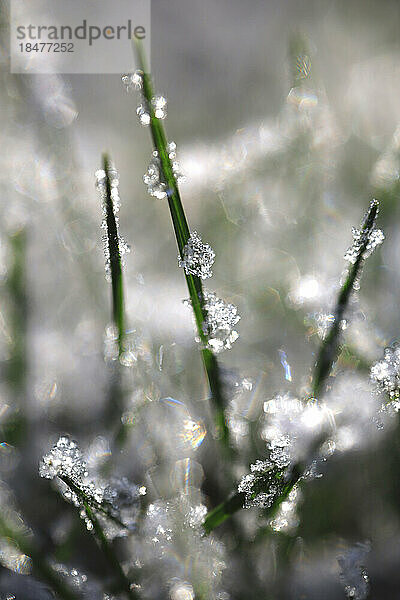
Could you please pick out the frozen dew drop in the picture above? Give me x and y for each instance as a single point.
(385, 374)
(198, 258)
(133, 81)
(143, 114)
(153, 179)
(159, 104)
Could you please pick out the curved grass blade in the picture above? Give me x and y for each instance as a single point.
(182, 234)
(327, 356)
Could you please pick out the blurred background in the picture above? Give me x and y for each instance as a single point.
(286, 115)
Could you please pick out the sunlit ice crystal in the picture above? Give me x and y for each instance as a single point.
(64, 459)
(220, 322)
(286, 518)
(262, 486)
(143, 114)
(353, 574)
(159, 104)
(133, 81)
(385, 374)
(319, 323)
(370, 239)
(153, 178)
(198, 258)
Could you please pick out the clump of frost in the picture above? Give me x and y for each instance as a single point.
(65, 459)
(220, 322)
(385, 374)
(154, 178)
(353, 574)
(198, 258)
(123, 247)
(370, 238)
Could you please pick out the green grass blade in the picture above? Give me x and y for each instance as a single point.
(105, 545)
(182, 234)
(329, 348)
(327, 355)
(113, 242)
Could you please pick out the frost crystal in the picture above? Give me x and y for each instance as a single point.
(159, 104)
(286, 518)
(370, 238)
(353, 574)
(198, 258)
(133, 81)
(143, 114)
(386, 375)
(262, 486)
(123, 247)
(220, 322)
(154, 179)
(64, 459)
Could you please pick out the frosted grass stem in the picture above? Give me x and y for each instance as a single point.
(105, 545)
(182, 234)
(115, 258)
(326, 357)
(328, 351)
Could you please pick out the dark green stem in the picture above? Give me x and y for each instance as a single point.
(182, 234)
(109, 553)
(329, 349)
(104, 508)
(115, 258)
(40, 568)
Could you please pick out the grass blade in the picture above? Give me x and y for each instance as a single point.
(326, 357)
(182, 234)
(114, 254)
(329, 348)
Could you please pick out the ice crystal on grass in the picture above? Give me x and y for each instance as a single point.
(154, 179)
(286, 518)
(143, 114)
(198, 258)
(159, 104)
(220, 322)
(64, 459)
(386, 375)
(371, 238)
(123, 247)
(133, 81)
(353, 574)
(263, 485)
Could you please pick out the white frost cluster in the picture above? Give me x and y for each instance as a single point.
(220, 322)
(123, 247)
(353, 574)
(198, 258)
(154, 179)
(386, 375)
(289, 429)
(65, 459)
(372, 239)
(134, 81)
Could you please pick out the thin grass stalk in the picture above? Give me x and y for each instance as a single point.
(329, 348)
(326, 358)
(182, 234)
(39, 566)
(109, 554)
(115, 259)
(107, 549)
